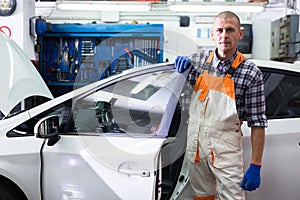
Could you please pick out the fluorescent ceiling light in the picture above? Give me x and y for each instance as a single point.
(216, 7)
(103, 6)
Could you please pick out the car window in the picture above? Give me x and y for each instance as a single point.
(26, 104)
(138, 105)
(26, 128)
(144, 105)
(282, 91)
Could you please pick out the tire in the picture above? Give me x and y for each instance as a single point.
(10, 191)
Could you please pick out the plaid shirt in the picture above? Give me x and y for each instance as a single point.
(248, 83)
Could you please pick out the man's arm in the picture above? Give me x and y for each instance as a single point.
(257, 143)
(251, 180)
(257, 120)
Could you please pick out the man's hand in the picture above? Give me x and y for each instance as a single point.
(251, 179)
(182, 63)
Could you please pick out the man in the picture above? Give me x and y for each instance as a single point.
(228, 88)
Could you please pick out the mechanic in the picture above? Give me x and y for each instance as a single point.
(227, 89)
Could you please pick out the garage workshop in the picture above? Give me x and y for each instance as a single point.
(149, 100)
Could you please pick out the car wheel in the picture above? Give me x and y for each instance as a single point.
(9, 191)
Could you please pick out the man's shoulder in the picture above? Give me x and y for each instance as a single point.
(250, 65)
(247, 61)
(248, 69)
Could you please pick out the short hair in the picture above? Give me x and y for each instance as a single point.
(228, 14)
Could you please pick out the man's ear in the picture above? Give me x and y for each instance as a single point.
(212, 35)
(241, 33)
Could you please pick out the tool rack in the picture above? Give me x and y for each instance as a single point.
(78, 54)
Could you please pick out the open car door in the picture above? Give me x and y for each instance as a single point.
(124, 140)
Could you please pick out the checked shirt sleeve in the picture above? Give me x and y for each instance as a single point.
(255, 99)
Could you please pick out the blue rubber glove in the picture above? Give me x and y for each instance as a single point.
(251, 179)
(182, 63)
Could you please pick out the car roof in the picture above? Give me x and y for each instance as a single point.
(277, 65)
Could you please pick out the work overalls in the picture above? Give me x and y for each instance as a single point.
(214, 146)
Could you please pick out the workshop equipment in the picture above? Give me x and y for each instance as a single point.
(77, 54)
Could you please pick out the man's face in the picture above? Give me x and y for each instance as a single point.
(226, 33)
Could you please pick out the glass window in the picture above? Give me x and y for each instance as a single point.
(27, 128)
(282, 90)
(26, 104)
(138, 105)
(144, 105)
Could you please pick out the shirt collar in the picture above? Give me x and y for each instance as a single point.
(224, 65)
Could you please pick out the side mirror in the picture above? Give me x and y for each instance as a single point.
(48, 127)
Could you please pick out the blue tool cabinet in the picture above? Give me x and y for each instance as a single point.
(78, 54)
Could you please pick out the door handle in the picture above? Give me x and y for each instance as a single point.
(134, 172)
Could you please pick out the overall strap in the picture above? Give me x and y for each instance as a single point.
(237, 61)
(207, 64)
(211, 56)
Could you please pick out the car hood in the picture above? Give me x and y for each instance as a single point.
(19, 78)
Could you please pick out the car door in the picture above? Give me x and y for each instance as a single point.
(281, 160)
(120, 141)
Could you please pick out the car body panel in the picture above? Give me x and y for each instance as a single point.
(281, 160)
(19, 79)
(90, 167)
(20, 157)
(277, 65)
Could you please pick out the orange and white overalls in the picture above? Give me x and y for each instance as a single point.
(214, 144)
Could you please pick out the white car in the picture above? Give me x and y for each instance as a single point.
(124, 137)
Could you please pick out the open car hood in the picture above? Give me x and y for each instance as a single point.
(19, 78)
